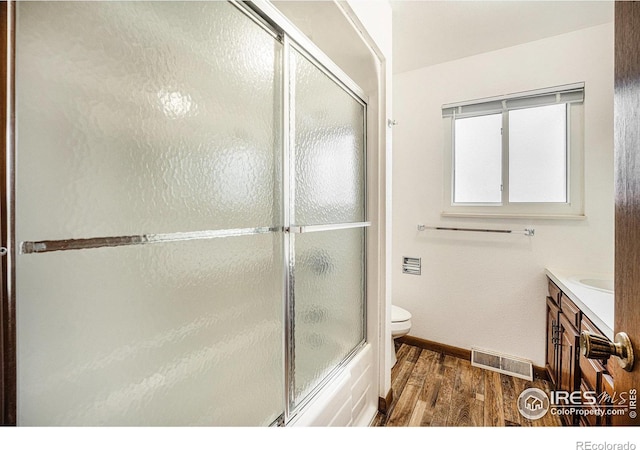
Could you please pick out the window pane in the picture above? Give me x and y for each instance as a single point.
(478, 159)
(538, 154)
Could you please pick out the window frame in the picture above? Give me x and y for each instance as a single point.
(573, 208)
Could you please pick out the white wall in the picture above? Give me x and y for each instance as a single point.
(488, 290)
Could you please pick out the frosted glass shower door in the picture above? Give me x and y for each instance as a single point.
(327, 210)
(148, 210)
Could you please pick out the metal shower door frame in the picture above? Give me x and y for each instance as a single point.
(265, 14)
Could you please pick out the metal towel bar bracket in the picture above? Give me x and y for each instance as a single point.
(526, 231)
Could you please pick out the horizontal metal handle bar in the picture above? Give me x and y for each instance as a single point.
(118, 241)
(526, 231)
(331, 227)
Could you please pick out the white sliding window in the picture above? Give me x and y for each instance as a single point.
(518, 155)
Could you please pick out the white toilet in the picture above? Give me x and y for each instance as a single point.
(400, 325)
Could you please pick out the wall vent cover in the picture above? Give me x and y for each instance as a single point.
(509, 365)
(412, 266)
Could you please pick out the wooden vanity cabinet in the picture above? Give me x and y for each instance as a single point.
(594, 375)
(571, 312)
(563, 341)
(569, 355)
(591, 381)
(554, 292)
(591, 419)
(608, 388)
(553, 337)
(566, 367)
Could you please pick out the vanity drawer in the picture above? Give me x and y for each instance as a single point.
(587, 325)
(571, 311)
(592, 371)
(554, 292)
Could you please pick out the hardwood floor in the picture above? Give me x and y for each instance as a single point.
(437, 390)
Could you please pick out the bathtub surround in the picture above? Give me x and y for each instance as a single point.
(484, 289)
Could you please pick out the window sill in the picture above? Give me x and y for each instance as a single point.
(483, 215)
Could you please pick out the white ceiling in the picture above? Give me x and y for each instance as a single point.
(427, 32)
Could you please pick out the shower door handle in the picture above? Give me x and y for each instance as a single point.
(298, 229)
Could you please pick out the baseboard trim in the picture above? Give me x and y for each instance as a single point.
(384, 403)
(462, 353)
(436, 347)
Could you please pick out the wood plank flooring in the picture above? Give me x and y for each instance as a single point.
(437, 390)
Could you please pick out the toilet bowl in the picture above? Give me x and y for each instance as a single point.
(400, 326)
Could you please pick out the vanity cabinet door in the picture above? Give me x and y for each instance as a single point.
(552, 340)
(609, 389)
(591, 373)
(569, 371)
(590, 418)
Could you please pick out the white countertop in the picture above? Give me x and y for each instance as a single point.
(596, 304)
